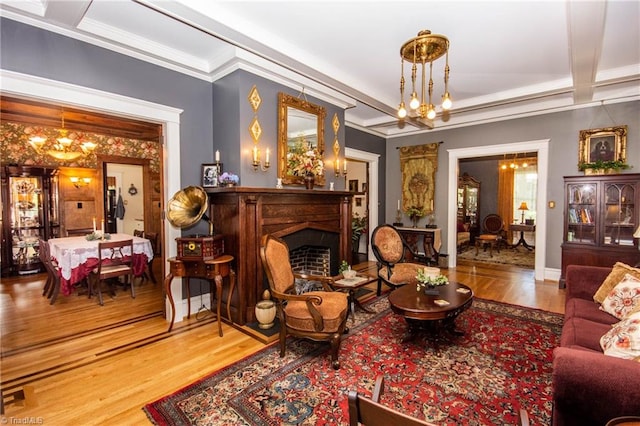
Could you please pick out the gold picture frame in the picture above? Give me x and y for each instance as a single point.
(604, 144)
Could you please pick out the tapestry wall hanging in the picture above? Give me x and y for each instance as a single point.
(418, 165)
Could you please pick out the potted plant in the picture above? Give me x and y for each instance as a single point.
(601, 167)
(415, 213)
(358, 225)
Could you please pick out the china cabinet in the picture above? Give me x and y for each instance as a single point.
(469, 203)
(600, 218)
(29, 213)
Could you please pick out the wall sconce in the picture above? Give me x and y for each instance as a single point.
(336, 167)
(336, 148)
(255, 130)
(79, 182)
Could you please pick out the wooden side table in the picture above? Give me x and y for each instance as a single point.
(522, 228)
(213, 270)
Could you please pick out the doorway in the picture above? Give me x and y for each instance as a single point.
(541, 148)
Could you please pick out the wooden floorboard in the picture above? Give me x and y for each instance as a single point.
(76, 362)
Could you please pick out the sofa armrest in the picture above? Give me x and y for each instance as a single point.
(583, 281)
(592, 388)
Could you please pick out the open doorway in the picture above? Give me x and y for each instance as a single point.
(540, 147)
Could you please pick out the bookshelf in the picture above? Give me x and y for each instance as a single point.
(600, 217)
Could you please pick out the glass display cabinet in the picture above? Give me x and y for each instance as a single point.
(600, 219)
(469, 203)
(29, 213)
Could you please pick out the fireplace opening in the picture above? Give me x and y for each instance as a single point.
(314, 251)
(311, 260)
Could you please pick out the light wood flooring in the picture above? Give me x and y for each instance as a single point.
(76, 362)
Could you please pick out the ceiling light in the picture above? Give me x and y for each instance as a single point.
(62, 148)
(423, 49)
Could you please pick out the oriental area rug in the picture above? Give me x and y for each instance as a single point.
(502, 362)
(507, 256)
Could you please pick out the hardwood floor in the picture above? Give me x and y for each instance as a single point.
(78, 363)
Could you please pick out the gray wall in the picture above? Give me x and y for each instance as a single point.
(486, 172)
(561, 128)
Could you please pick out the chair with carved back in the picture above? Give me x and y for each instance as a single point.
(115, 260)
(316, 315)
(389, 248)
(138, 233)
(79, 232)
(153, 239)
(370, 412)
(493, 232)
(52, 285)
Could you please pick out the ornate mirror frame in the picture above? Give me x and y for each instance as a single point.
(285, 104)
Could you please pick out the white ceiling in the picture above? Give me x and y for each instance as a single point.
(508, 59)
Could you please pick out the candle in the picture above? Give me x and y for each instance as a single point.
(345, 166)
(217, 156)
(267, 159)
(255, 153)
(94, 224)
(398, 204)
(102, 226)
(338, 165)
(432, 204)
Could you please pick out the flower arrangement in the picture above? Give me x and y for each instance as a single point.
(427, 278)
(303, 159)
(415, 212)
(228, 179)
(97, 235)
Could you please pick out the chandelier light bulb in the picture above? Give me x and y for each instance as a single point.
(414, 103)
(431, 112)
(446, 101)
(402, 111)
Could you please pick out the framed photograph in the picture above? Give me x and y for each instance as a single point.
(358, 201)
(364, 187)
(605, 144)
(210, 173)
(353, 185)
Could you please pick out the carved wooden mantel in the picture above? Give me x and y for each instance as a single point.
(243, 215)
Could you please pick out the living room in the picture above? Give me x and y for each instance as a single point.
(36, 64)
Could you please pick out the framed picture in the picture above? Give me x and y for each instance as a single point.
(210, 173)
(358, 201)
(605, 144)
(353, 185)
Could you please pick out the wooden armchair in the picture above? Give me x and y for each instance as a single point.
(115, 259)
(316, 315)
(369, 412)
(389, 249)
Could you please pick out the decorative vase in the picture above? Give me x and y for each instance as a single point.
(229, 184)
(309, 180)
(415, 220)
(265, 311)
(431, 290)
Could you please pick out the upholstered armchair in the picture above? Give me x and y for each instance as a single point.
(316, 315)
(389, 248)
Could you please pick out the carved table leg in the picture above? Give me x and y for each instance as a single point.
(167, 286)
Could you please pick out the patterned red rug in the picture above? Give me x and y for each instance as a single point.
(502, 361)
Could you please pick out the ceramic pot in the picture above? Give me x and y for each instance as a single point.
(265, 313)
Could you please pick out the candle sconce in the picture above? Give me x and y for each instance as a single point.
(336, 149)
(255, 130)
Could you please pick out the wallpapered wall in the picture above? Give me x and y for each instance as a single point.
(15, 147)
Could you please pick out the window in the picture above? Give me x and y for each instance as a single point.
(525, 182)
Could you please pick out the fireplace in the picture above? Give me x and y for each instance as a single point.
(316, 223)
(315, 251)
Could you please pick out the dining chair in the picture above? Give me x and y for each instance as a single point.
(52, 285)
(115, 259)
(153, 239)
(79, 232)
(370, 412)
(138, 233)
(389, 248)
(316, 315)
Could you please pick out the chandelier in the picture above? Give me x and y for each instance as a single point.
(422, 50)
(62, 147)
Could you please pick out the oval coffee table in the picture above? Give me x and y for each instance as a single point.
(422, 313)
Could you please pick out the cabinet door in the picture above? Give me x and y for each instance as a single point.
(581, 212)
(26, 221)
(619, 214)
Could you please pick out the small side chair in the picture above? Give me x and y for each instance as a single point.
(115, 259)
(389, 248)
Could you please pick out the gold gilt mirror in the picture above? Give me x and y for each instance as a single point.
(300, 131)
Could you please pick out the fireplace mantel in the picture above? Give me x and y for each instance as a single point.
(243, 215)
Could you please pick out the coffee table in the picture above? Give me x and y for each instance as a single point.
(350, 285)
(423, 314)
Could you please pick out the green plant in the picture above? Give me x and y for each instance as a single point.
(343, 266)
(600, 164)
(415, 211)
(425, 279)
(358, 225)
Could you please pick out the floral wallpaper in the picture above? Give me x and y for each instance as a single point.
(15, 147)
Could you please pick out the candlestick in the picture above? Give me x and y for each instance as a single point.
(398, 204)
(255, 153)
(345, 166)
(94, 224)
(267, 157)
(102, 226)
(217, 156)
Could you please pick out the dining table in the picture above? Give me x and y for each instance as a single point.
(77, 256)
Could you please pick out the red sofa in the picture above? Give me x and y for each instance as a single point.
(589, 387)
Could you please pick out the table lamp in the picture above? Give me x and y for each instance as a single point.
(523, 207)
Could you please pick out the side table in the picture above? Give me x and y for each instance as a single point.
(213, 270)
(522, 228)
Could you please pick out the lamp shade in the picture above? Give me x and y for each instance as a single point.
(523, 206)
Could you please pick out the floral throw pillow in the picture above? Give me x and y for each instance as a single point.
(624, 297)
(623, 340)
(616, 275)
